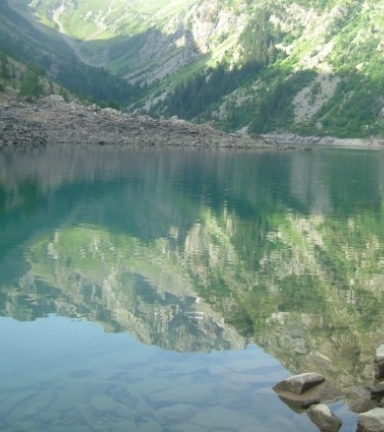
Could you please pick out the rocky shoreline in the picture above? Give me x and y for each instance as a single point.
(311, 392)
(314, 141)
(52, 121)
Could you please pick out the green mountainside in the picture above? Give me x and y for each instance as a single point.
(43, 49)
(312, 67)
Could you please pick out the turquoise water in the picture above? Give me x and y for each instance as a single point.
(158, 290)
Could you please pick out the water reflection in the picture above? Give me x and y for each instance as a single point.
(199, 251)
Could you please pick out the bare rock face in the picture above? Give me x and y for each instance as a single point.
(301, 391)
(323, 418)
(371, 421)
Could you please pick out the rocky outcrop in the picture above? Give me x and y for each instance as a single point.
(370, 398)
(52, 121)
(308, 391)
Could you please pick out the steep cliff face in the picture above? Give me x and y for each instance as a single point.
(304, 66)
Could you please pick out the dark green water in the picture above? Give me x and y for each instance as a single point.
(169, 291)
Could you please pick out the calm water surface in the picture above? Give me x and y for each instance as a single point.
(169, 291)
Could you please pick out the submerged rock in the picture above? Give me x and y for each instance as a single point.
(323, 418)
(362, 405)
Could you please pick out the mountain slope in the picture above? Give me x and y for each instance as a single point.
(303, 66)
(33, 43)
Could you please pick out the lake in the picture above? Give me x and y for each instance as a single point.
(158, 290)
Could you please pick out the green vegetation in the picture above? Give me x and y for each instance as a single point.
(241, 64)
(275, 110)
(50, 53)
(31, 86)
(5, 72)
(192, 97)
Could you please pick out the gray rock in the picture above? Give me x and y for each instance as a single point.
(377, 391)
(52, 121)
(323, 418)
(56, 98)
(299, 384)
(362, 405)
(300, 392)
(379, 363)
(371, 421)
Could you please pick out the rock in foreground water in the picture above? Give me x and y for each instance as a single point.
(371, 421)
(302, 391)
(323, 418)
(298, 384)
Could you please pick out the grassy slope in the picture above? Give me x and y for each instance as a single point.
(337, 38)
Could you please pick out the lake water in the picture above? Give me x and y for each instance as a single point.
(170, 290)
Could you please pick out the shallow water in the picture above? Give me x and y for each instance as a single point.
(158, 290)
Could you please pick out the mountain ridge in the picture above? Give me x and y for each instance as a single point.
(304, 67)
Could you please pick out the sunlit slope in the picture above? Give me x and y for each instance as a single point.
(312, 67)
(103, 19)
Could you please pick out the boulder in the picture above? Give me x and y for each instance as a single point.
(363, 399)
(299, 384)
(371, 421)
(362, 405)
(323, 418)
(301, 391)
(55, 98)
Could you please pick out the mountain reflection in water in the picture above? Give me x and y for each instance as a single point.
(197, 251)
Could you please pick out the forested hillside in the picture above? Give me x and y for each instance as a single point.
(45, 53)
(313, 67)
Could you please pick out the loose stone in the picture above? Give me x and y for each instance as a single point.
(324, 418)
